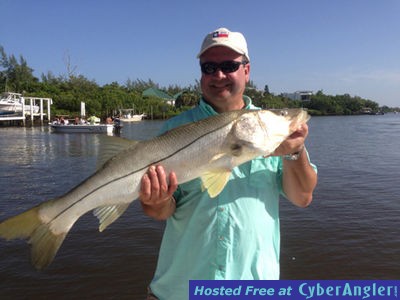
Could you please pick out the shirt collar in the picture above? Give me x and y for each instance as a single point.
(209, 110)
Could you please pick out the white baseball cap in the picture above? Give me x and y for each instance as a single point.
(226, 38)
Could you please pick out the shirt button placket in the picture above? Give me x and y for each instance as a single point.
(221, 241)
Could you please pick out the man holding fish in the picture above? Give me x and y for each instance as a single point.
(215, 175)
(226, 224)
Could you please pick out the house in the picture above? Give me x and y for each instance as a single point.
(154, 92)
(299, 95)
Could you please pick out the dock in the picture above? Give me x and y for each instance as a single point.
(26, 115)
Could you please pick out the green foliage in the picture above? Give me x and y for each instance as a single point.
(187, 98)
(68, 91)
(339, 104)
(15, 75)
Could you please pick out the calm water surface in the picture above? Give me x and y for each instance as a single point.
(351, 230)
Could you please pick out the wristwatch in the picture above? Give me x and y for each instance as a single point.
(294, 156)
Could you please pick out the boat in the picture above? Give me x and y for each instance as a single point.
(80, 125)
(12, 103)
(127, 115)
(132, 118)
(83, 128)
(91, 125)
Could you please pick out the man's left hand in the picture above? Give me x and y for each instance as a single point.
(294, 143)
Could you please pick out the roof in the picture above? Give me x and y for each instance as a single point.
(157, 93)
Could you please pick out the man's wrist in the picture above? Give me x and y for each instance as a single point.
(295, 155)
(160, 211)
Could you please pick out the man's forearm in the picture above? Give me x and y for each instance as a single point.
(299, 180)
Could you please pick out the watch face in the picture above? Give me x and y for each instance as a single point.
(293, 156)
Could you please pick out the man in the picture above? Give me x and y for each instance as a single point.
(235, 235)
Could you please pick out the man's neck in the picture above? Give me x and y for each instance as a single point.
(225, 107)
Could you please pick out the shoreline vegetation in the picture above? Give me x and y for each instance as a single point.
(67, 91)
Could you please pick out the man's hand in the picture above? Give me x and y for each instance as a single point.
(156, 194)
(294, 143)
(299, 178)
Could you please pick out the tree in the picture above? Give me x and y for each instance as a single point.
(69, 90)
(187, 98)
(16, 76)
(266, 90)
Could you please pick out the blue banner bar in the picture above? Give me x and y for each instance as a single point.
(294, 289)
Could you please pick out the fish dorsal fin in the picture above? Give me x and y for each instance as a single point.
(108, 214)
(215, 181)
(111, 146)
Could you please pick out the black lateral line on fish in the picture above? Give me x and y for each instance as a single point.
(145, 167)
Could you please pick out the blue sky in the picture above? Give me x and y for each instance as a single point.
(337, 46)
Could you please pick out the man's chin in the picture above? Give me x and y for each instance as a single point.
(221, 92)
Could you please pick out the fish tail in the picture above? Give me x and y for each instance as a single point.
(28, 225)
(20, 226)
(45, 245)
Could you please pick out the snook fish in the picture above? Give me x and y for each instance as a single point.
(208, 149)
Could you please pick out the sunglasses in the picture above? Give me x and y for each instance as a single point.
(229, 66)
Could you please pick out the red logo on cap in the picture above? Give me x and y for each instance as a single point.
(220, 34)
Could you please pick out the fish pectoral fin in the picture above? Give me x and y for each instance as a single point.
(108, 214)
(214, 182)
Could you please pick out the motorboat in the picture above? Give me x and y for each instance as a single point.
(83, 128)
(91, 125)
(132, 118)
(82, 125)
(12, 103)
(127, 115)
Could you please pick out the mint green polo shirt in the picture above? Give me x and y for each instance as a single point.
(232, 236)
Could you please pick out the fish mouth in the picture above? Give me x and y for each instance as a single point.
(296, 116)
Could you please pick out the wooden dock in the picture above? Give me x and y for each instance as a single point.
(26, 115)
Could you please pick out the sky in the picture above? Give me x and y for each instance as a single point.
(337, 46)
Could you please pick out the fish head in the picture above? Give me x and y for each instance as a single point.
(294, 116)
(264, 130)
(278, 125)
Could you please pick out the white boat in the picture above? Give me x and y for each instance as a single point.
(83, 128)
(127, 115)
(132, 118)
(80, 125)
(11, 103)
(91, 125)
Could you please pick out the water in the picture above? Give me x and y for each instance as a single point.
(351, 230)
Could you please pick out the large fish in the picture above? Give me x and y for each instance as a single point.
(208, 149)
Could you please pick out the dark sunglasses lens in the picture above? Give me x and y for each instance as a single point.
(226, 67)
(209, 68)
(229, 66)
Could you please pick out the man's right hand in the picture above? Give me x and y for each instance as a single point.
(156, 194)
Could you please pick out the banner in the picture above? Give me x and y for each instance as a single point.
(294, 289)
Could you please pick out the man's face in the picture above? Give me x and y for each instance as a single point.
(221, 89)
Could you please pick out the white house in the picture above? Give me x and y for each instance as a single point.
(299, 95)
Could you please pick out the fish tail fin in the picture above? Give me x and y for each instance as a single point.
(45, 245)
(28, 225)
